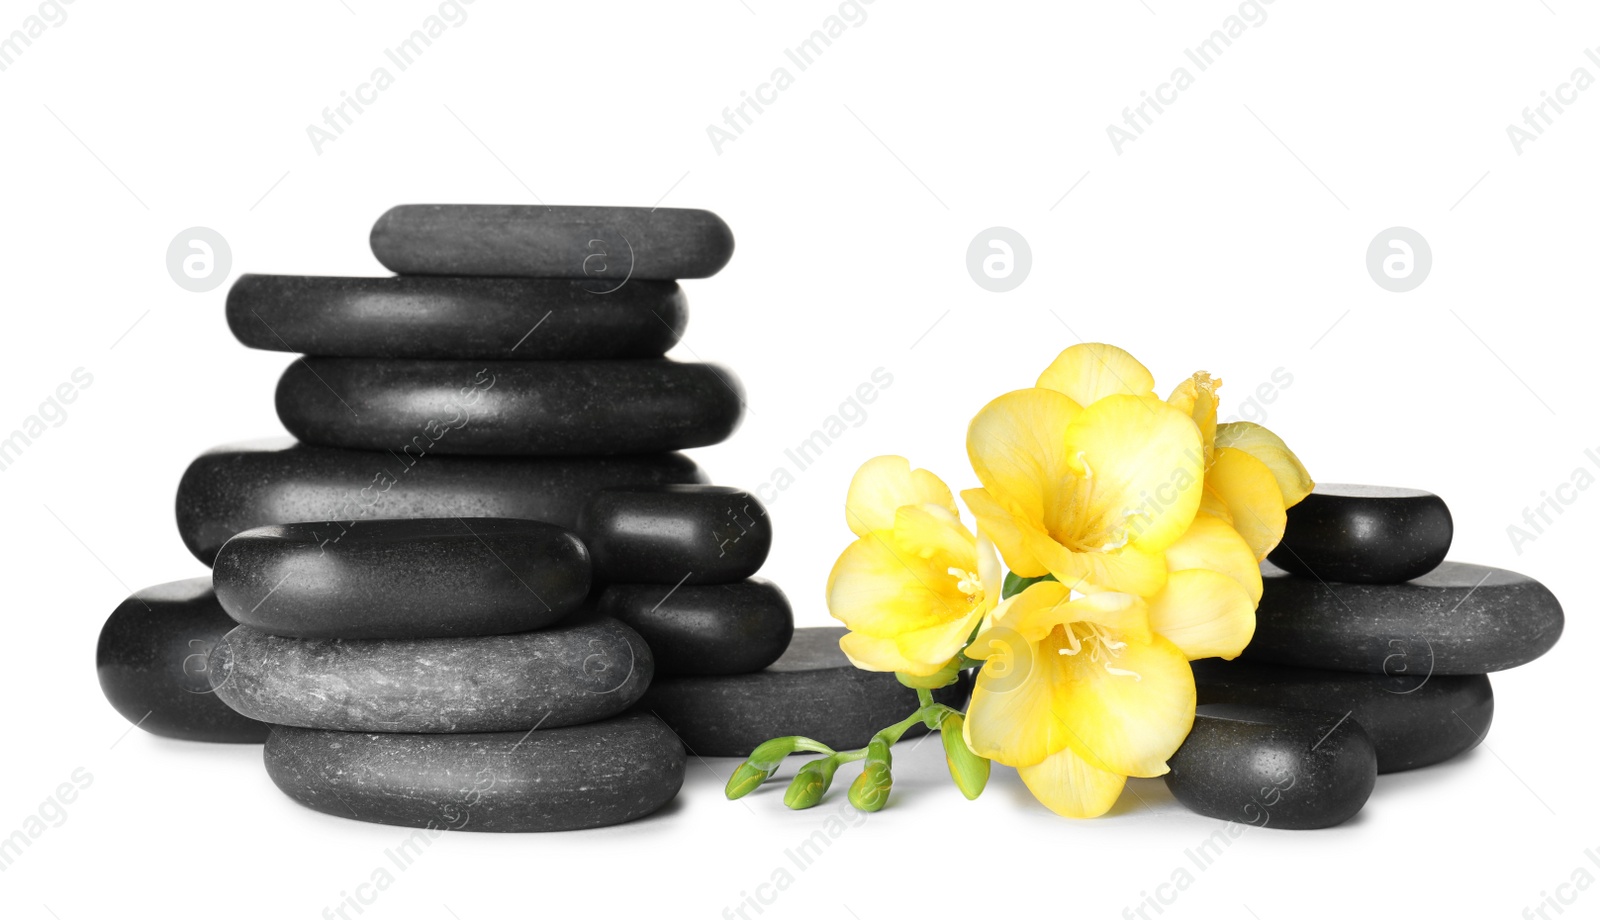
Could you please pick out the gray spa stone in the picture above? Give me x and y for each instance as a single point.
(441, 317)
(706, 629)
(1368, 534)
(235, 487)
(402, 579)
(1270, 767)
(608, 247)
(565, 675)
(559, 779)
(675, 534)
(542, 408)
(152, 664)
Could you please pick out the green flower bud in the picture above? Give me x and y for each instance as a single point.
(747, 778)
(970, 772)
(870, 791)
(944, 677)
(811, 783)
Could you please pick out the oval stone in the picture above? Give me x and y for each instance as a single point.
(152, 663)
(1270, 767)
(812, 690)
(402, 579)
(676, 534)
(706, 629)
(439, 317)
(542, 408)
(558, 779)
(1413, 721)
(1457, 619)
(1366, 534)
(566, 675)
(236, 487)
(610, 247)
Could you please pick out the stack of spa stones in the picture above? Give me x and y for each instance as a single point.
(401, 604)
(1371, 655)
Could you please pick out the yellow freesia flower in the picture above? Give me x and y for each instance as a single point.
(1078, 693)
(917, 582)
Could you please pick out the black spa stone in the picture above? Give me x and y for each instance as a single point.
(675, 534)
(236, 487)
(553, 779)
(608, 247)
(1269, 767)
(152, 663)
(418, 316)
(1457, 619)
(1413, 721)
(402, 579)
(1367, 534)
(812, 690)
(565, 675)
(706, 629)
(543, 408)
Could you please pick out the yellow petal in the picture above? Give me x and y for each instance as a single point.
(870, 653)
(1197, 398)
(1251, 494)
(1016, 448)
(1212, 543)
(1046, 604)
(883, 591)
(1205, 614)
(1144, 467)
(1293, 480)
(1128, 569)
(1071, 786)
(1010, 718)
(934, 533)
(1089, 371)
(1013, 535)
(883, 484)
(1119, 723)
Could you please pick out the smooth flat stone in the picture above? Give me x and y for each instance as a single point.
(565, 675)
(152, 664)
(1457, 619)
(542, 408)
(1271, 767)
(419, 316)
(402, 579)
(813, 690)
(558, 779)
(675, 534)
(1367, 534)
(1413, 721)
(706, 629)
(609, 247)
(235, 487)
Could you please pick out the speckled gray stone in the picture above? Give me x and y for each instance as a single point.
(235, 487)
(542, 408)
(565, 675)
(675, 534)
(152, 663)
(1268, 767)
(1368, 534)
(813, 690)
(1457, 619)
(402, 579)
(560, 779)
(441, 317)
(1413, 721)
(608, 246)
(706, 629)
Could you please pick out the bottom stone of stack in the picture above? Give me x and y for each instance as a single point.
(584, 776)
(812, 690)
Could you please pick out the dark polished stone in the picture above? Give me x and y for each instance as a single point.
(695, 535)
(558, 779)
(565, 675)
(153, 669)
(419, 316)
(706, 629)
(1268, 767)
(1367, 534)
(235, 487)
(542, 408)
(1413, 721)
(1457, 619)
(403, 579)
(813, 690)
(609, 247)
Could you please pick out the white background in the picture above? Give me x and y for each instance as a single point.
(1230, 237)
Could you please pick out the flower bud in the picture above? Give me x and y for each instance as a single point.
(970, 772)
(870, 791)
(760, 765)
(811, 783)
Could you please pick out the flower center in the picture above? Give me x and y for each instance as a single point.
(1097, 642)
(967, 583)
